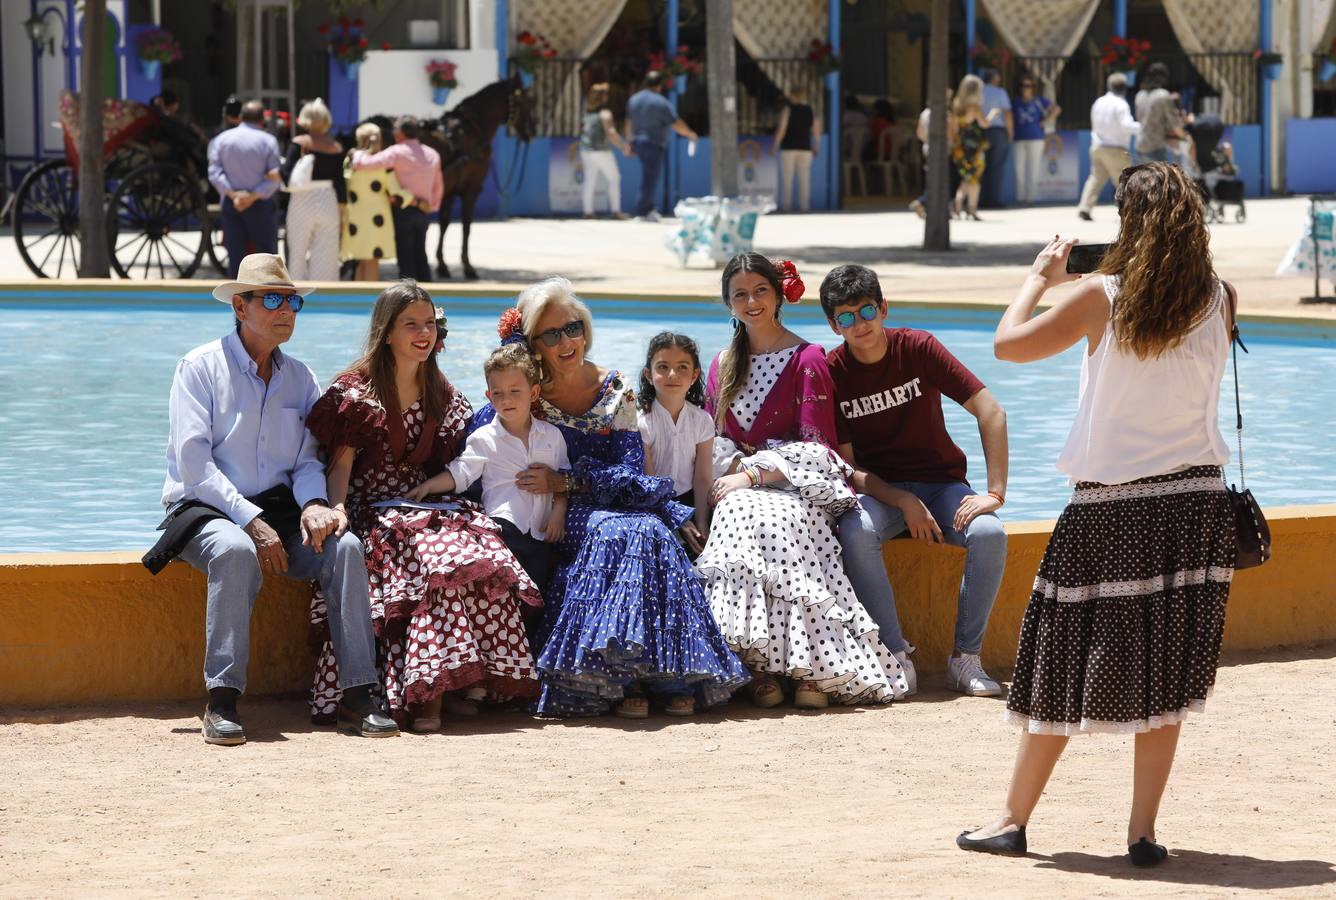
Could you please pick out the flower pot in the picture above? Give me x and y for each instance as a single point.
(151, 68)
(1327, 71)
(350, 68)
(1131, 76)
(1271, 71)
(831, 77)
(526, 78)
(439, 95)
(680, 84)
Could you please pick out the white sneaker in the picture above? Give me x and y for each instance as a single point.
(965, 673)
(911, 677)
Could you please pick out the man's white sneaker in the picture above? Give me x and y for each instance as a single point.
(911, 677)
(965, 673)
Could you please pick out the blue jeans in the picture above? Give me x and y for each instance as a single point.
(252, 231)
(995, 160)
(226, 554)
(651, 164)
(862, 532)
(1139, 157)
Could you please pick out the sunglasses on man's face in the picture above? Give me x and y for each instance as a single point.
(867, 312)
(552, 336)
(274, 300)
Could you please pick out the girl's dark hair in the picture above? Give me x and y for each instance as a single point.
(662, 341)
(377, 362)
(736, 358)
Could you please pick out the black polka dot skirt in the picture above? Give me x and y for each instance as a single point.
(1123, 629)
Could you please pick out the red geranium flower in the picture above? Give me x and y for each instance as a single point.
(509, 324)
(361, 42)
(525, 37)
(322, 29)
(343, 20)
(385, 46)
(790, 281)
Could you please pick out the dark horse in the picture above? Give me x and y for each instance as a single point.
(465, 144)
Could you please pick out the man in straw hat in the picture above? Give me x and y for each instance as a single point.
(238, 451)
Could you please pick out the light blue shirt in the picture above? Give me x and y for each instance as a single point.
(239, 159)
(995, 97)
(232, 436)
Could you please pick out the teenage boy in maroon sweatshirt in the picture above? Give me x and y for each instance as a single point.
(909, 473)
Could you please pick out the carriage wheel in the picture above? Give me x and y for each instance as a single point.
(46, 220)
(157, 223)
(213, 244)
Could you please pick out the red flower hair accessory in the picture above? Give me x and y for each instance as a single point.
(510, 328)
(790, 281)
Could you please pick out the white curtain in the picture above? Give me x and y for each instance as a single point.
(782, 29)
(1221, 26)
(574, 28)
(1051, 29)
(1321, 12)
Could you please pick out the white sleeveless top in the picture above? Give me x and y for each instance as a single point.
(1144, 417)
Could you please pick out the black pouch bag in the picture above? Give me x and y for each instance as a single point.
(1254, 534)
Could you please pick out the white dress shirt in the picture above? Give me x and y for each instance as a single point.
(1111, 122)
(231, 436)
(673, 444)
(497, 456)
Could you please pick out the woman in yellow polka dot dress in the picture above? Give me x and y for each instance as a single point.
(368, 226)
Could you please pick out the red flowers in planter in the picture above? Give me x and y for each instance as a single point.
(1125, 52)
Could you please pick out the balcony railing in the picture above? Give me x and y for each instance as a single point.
(1227, 82)
(560, 86)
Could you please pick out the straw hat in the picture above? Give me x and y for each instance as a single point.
(259, 272)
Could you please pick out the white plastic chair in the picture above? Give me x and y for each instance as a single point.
(852, 142)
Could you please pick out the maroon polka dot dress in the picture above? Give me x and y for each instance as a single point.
(446, 593)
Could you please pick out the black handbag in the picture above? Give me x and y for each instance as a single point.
(1254, 534)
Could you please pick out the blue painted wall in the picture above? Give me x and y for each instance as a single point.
(1308, 148)
(137, 85)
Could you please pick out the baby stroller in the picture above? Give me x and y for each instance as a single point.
(1217, 176)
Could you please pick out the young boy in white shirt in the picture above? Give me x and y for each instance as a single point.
(498, 451)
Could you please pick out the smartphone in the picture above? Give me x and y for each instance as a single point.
(1085, 258)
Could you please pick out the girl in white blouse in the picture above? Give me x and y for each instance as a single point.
(678, 434)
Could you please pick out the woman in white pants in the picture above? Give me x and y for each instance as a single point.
(598, 135)
(796, 140)
(316, 196)
(1034, 115)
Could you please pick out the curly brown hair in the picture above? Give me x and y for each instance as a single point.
(510, 357)
(1162, 258)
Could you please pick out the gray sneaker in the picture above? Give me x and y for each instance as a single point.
(222, 727)
(965, 673)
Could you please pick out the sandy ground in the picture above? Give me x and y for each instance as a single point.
(737, 803)
(988, 261)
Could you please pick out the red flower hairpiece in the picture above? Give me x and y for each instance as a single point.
(510, 328)
(790, 281)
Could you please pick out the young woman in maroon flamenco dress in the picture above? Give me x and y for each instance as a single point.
(445, 591)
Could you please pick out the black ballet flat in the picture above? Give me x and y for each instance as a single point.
(1144, 854)
(1010, 844)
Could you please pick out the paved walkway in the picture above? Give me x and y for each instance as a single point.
(988, 261)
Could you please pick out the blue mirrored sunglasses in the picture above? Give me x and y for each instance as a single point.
(274, 300)
(867, 312)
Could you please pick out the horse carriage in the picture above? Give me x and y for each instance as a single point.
(158, 222)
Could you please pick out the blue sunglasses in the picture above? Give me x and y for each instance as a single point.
(274, 300)
(867, 312)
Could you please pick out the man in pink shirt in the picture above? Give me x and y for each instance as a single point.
(418, 169)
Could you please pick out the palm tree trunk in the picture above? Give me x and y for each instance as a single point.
(94, 257)
(937, 228)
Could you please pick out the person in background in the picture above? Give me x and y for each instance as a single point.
(1122, 632)
(921, 132)
(231, 113)
(970, 145)
(1033, 115)
(166, 104)
(237, 442)
(368, 219)
(879, 129)
(315, 209)
(1111, 130)
(244, 168)
(998, 133)
(797, 141)
(598, 135)
(889, 384)
(1158, 113)
(649, 118)
(418, 168)
(854, 116)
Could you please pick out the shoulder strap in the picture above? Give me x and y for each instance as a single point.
(1235, 343)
